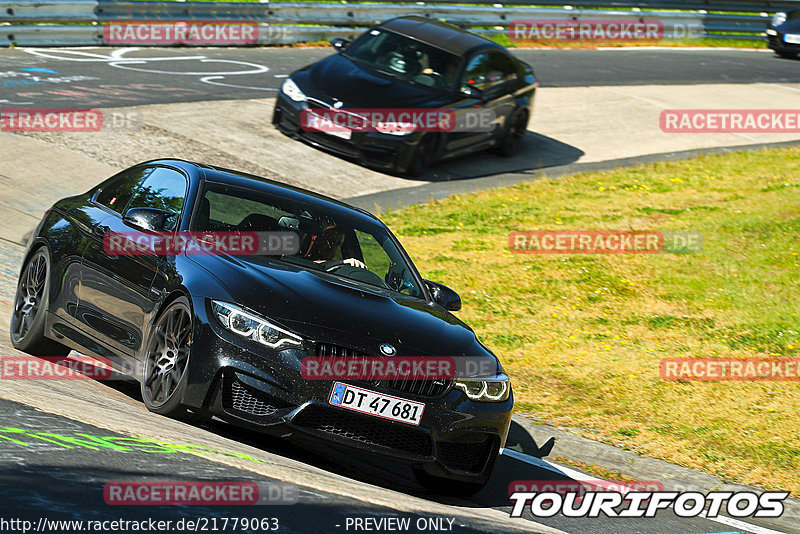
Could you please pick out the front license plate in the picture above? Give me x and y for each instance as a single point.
(792, 38)
(343, 134)
(372, 403)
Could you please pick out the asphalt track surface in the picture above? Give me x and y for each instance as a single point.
(109, 77)
(39, 478)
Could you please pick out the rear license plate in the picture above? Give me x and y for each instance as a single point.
(377, 404)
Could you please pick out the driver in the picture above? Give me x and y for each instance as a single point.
(328, 245)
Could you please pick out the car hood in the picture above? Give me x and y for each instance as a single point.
(790, 26)
(324, 307)
(357, 85)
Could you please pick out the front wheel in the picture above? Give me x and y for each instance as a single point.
(30, 308)
(786, 53)
(512, 139)
(167, 359)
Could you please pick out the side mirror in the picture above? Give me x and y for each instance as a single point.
(444, 296)
(150, 219)
(339, 44)
(471, 91)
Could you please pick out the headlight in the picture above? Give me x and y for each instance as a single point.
(251, 326)
(394, 128)
(779, 18)
(290, 89)
(492, 389)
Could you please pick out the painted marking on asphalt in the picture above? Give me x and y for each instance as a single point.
(577, 475)
(730, 522)
(210, 80)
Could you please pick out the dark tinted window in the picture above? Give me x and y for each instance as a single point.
(410, 60)
(118, 193)
(163, 189)
(335, 243)
(488, 70)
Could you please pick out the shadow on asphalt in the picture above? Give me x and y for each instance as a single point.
(537, 152)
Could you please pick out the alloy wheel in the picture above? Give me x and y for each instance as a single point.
(167, 355)
(29, 297)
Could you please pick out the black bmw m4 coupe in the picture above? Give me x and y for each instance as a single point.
(410, 64)
(225, 334)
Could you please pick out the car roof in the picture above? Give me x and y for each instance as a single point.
(440, 34)
(231, 177)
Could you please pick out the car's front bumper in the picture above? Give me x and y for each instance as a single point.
(381, 151)
(776, 40)
(242, 384)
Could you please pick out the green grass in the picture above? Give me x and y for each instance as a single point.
(582, 335)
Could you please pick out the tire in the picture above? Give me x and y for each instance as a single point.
(30, 308)
(166, 360)
(786, 54)
(423, 157)
(446, 486)
(512, 139)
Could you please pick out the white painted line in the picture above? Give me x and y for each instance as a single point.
(212, 81)
(741, 525)
(680, 48)
(583, 477)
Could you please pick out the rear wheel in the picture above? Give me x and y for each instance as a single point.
(166, 361)
(30, 308)
(423, 157)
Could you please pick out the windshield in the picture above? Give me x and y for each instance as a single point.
(407, 59)
(340, 245)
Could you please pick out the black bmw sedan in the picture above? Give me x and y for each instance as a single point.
(411, 64)
(783, 33)
(225, 334)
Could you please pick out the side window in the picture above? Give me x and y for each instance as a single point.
(163, 189)
(488, 70)
(381, 263)
(375, 257)
(118, 193)
(500, 69)
(475, 73)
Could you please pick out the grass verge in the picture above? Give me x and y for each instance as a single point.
(582, 336)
